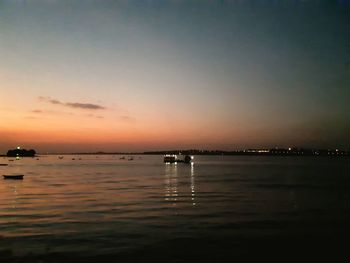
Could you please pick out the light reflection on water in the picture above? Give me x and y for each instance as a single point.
(171, 183)
(171, 193)
(193, 187)
(104, 203)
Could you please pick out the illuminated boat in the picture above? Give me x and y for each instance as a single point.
(170, 158)
(13, 176)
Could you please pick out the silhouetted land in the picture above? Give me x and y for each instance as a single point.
(247, 152)
(21, 153)
(255, 152)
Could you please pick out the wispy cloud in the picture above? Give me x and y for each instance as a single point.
(37, 111)
(44, 112)
(95, 116)
(87, 106)
(127, 118)
(76, 105)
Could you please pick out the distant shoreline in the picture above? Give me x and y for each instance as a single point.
(249, 152)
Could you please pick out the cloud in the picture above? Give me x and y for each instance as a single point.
(44, 112)
(127, 118)
(50, 100)
(76, 105)
(95, 116)
(37, 111)
(55, 102)
(87, 106)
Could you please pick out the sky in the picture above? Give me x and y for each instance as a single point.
(88, 75)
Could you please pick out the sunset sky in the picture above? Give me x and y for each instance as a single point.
(148, 75)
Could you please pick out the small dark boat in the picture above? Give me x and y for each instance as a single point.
(13, 176)
(3, 164)
(188, 159)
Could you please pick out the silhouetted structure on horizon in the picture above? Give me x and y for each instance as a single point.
(261, 152)
(21, 153)
(247, 152)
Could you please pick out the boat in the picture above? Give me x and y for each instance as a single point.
(131, 158)
(13, 176)
(172, 158)
(122, 158)
(60, 157)
(3, 164)
(188, 159)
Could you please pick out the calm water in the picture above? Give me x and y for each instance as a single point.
(102, 204)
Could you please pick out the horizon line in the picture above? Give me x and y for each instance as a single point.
(199, 151)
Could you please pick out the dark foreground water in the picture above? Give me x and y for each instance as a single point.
(105, 208)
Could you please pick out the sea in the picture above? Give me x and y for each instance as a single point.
(133, 208)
